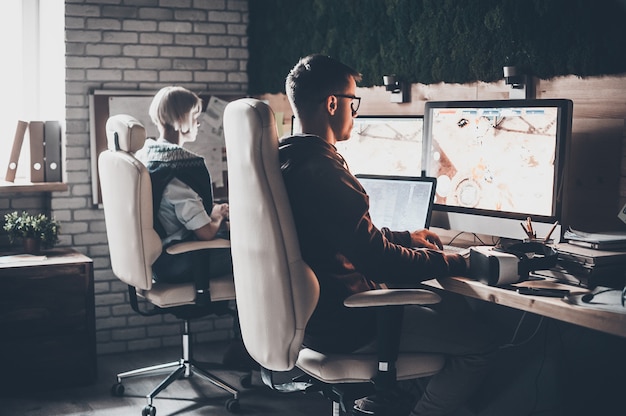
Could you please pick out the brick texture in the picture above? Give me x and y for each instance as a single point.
(137, 45)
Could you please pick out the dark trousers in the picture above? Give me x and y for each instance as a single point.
(181, 268)
(448, 328)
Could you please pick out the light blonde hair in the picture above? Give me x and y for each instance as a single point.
(170, 109)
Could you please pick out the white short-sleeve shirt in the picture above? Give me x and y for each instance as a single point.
(181, 211)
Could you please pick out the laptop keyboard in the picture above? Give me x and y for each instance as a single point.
(454, 249)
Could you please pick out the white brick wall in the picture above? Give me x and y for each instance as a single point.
(136, 45)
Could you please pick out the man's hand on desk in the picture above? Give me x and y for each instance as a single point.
(426, 239)
(429, 239)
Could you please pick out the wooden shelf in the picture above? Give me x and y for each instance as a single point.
(23, 186)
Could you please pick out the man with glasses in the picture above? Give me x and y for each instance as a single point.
(349, 254)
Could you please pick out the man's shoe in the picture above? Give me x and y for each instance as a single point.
(394, 404)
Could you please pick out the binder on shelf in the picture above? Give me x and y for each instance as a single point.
(18, 139)
(36, 132)
(52, 151)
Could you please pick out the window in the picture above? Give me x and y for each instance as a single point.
(33, 71)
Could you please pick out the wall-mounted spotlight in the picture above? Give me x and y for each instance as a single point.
(521, 84)
(396, 88)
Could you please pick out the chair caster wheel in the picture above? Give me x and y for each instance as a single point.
(117, 390)
(232, 405)
(149, 410)
(246, 381)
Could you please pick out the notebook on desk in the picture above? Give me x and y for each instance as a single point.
(400, 203)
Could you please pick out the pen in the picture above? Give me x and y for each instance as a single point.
(531, 232)
(551, 231)
(525, 230)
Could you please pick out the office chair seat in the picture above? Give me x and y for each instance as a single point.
(361, 368)
(167, 295)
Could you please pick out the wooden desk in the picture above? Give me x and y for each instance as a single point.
(47, 322)
(609, 322)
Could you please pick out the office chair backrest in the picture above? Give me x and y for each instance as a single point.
(127, 200)
(276, 291)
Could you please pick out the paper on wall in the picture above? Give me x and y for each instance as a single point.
(210, 142)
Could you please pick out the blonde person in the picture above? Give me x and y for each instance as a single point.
(182, 191)
(184, 209)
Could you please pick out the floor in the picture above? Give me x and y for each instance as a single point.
(189, 397)
(556, 370)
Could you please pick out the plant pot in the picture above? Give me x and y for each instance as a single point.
(31, 245)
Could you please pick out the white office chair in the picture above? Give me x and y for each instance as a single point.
(276, 290)
(134, 245)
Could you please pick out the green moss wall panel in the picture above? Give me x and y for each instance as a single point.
(430, 41)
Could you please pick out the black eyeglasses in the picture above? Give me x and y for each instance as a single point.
(354, 104)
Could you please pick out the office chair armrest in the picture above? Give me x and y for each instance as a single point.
(198, 245)
(386, 297)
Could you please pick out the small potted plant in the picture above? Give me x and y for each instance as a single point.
(35, 231)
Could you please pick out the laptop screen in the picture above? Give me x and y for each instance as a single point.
(401, 203)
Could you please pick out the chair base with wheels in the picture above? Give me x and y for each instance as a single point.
(186, 366)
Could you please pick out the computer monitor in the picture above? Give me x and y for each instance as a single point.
(384, 145)
(497, 163)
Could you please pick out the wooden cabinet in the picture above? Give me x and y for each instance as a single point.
(47, 322)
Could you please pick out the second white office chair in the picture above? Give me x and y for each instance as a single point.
(134, 245)
(276, 290)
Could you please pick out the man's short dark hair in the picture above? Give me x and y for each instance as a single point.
(315, 77)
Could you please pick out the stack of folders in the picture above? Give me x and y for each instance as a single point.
(589, 267)
(599, 241)
(45, 150)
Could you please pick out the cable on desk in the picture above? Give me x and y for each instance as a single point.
(476, 237)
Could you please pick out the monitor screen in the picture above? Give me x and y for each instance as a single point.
(500, 159)
(384, 145)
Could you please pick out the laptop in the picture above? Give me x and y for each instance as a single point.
(400, 203)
